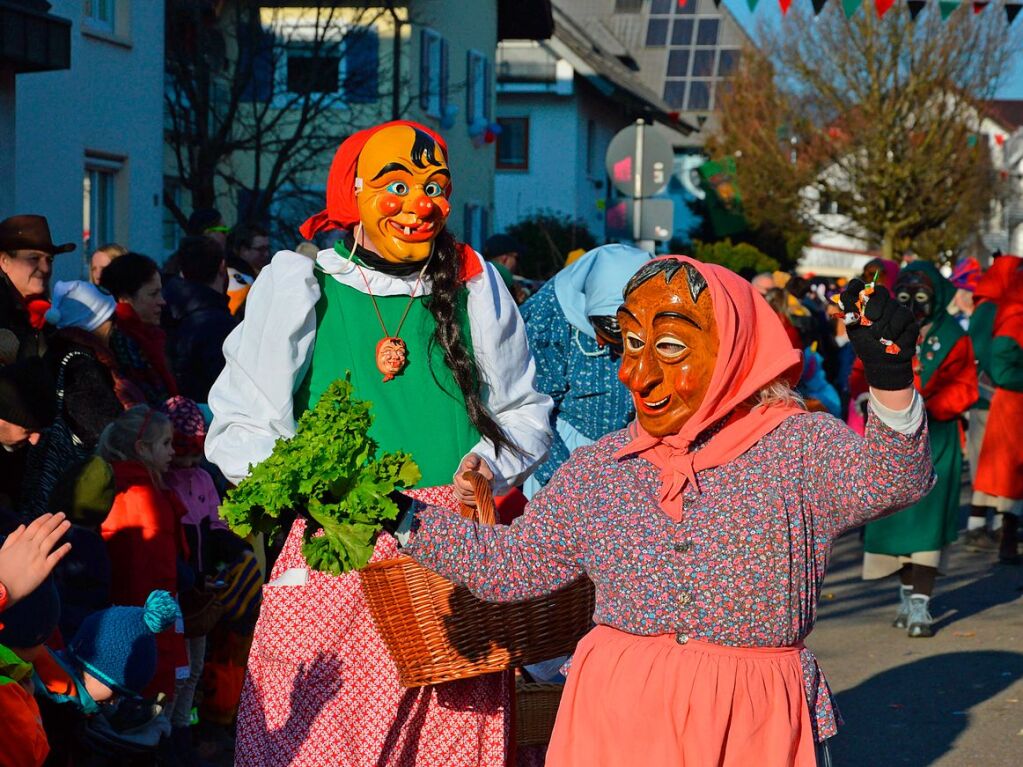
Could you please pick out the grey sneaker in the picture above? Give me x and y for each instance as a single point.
(920, 619)
(902, 616)
(980, 540)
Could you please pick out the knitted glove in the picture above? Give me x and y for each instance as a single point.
(883, 333)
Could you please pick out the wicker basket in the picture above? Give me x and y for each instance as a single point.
(437, 632)
(536, 707)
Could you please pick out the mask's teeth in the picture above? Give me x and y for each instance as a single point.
(407, 230)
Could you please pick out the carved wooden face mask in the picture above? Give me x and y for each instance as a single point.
(403, 181)
(670, 345)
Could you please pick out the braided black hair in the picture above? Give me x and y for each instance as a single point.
(443, 305)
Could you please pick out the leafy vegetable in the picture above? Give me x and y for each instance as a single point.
(329, 470)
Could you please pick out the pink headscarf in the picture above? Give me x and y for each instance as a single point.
(754, 350)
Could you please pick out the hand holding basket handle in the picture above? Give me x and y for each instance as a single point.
(465, 491)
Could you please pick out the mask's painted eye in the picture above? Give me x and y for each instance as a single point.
(904, 297)
(633, 342)
(670, 347)
(433, 189)
(399, 188)
(921, 297)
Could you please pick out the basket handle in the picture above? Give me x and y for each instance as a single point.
(485, 512)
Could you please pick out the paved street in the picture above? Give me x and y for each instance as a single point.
(952, 701)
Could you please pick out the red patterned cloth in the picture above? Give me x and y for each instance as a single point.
(321, 690)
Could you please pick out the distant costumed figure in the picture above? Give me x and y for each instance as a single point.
(429, 335)
(912, 541)
(572, 324)
(705, 526)
(995, 332)
(999, 478)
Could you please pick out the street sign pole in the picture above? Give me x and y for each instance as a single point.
(639, 165)
(637, 183)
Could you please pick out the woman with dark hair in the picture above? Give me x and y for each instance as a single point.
(136, 341)
(428, 333)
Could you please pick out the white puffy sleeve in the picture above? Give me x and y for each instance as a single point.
(508, 380)
(266, 357)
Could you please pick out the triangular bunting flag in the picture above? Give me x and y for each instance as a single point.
(978, 7)
(883, 6)
(1012, 11)
(681, 3)
(717, 3)
(752, 4)
(818, 6)
(915, 6)
(947, 8)
(784, 6)
(850, 7)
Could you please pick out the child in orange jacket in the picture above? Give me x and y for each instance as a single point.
(143, 530)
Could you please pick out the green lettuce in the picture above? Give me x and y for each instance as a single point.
(330, 471)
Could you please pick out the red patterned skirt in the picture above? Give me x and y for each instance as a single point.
(321, 690)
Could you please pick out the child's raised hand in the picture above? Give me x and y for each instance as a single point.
(27, 557)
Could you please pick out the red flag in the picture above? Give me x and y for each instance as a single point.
(883, 6)
(785, 4)
(978, 7)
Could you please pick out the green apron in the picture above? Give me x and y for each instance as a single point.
(931, 523)
(422, 411)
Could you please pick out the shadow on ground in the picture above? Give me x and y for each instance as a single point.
(912, 714)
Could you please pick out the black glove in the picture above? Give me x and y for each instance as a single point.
(887, 342)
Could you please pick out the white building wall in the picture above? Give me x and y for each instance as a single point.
(108, 106)
(552, 178)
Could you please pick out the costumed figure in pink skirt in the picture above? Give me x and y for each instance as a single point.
(706, 527)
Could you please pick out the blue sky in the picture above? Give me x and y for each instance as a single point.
(769, 11)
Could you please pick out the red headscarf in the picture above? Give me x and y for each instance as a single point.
(342, 211)
(754, 350)
(996, 280)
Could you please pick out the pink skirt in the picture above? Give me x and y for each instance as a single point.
(634, 700)
(322, 691)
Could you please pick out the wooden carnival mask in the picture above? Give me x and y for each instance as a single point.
(402, 185)
(670, 344)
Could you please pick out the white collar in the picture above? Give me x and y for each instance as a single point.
(348, 273)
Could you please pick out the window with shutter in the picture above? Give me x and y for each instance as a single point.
(362, 65)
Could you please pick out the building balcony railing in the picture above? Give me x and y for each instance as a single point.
(527, 71)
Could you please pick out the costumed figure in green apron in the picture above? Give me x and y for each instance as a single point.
(911, 542)
(430, 336)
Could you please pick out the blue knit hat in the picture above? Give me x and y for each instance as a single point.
(118, 645)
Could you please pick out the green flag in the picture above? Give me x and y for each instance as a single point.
(947, 7)
(752, 4)
(850, 7)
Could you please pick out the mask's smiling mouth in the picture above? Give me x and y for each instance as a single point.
(412, 231)
(652, 407)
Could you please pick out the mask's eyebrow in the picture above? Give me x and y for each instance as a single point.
(390, 168)
(678, 316)
(624, 310)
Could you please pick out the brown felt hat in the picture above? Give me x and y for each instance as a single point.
(29, 233)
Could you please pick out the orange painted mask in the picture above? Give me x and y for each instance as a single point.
(402, 186)
(670, 345)
(392, 355)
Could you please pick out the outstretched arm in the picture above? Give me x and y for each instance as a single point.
(538, 553)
